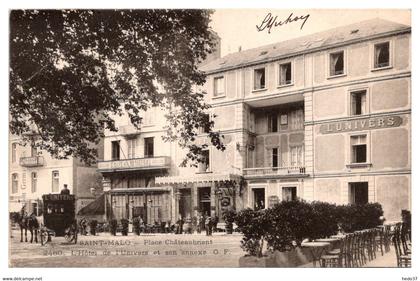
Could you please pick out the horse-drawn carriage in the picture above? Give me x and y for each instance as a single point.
(59, 218)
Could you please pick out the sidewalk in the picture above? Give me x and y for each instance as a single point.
(387, 260)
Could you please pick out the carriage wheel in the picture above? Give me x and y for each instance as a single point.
(44, 237)
(68, 235)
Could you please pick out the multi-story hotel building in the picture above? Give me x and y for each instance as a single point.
(322, 117)
(34, 173)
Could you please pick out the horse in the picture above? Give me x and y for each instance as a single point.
(28, 223)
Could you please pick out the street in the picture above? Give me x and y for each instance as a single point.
(146, 250)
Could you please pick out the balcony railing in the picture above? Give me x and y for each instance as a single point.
(274, 171)
(161, 162)
(34, 161)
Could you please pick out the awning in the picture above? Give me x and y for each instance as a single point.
(198, 178)
(96, 207)
(141, 189)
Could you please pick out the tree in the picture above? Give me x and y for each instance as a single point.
(72, 70)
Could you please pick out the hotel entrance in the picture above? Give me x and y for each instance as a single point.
(204, 196)
(185, 206)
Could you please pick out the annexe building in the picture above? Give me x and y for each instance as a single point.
(321, 117)
(34, 173)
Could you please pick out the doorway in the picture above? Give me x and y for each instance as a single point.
(204, 199)
(259, 198)
(185, 203)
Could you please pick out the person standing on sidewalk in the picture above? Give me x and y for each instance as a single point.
(208, 225)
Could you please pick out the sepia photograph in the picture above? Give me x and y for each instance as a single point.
(209, 138)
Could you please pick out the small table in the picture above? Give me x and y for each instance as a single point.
(316, 249)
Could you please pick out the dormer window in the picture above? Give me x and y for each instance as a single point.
(259, 79)
(219, 86)
(337, 63)
(285, 74)
(382, 57)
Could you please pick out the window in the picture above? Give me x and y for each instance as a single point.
(259, 198)
(204, 165)
(219, 86)
(283, 119)
(34, 178)
(296, 156)
(359, 193)
(289, 193)
(131, 146)
(55, 181)
(14, 152)
(296, 119)
(382, 55)
(15, 183)
(259, 79)
(148, 147)
(272, 123)
(337, 63)
(275, 157)
(206, 128)
(115, 150)
(285, 74)
(358, 149)
(358, 103)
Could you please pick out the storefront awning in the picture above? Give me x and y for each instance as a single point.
(197, 178)
(140, 189)
(96, 207)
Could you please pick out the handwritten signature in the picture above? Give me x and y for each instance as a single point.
(269, 21)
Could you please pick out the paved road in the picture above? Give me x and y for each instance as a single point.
(156, 250)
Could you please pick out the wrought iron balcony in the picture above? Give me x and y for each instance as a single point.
(274, 172)
(150, 163)
(34, 161)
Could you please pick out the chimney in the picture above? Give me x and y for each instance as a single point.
(215, 54)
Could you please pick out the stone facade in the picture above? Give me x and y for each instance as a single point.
(276, 113)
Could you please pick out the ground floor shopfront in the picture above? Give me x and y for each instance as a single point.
(172, 198)
(391, 190)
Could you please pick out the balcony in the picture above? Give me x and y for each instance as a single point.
(128, 130)
(135, 164)
(34, 161)
(274, 172)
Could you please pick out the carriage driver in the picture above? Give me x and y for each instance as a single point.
(65, 190)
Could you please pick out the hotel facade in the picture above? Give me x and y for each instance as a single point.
(323, 117)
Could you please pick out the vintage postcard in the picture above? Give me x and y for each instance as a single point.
(210, 138)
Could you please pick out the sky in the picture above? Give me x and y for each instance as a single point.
(237, 27)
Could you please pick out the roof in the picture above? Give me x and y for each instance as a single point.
(305, 44)
(96, 207)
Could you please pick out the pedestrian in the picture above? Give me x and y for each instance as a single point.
(215, 221)
(179, 226)
(208, 225)
(200, 222)
(187, 227)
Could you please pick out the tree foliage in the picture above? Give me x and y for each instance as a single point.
(71, 71)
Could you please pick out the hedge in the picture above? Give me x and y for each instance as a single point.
(288, 223)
